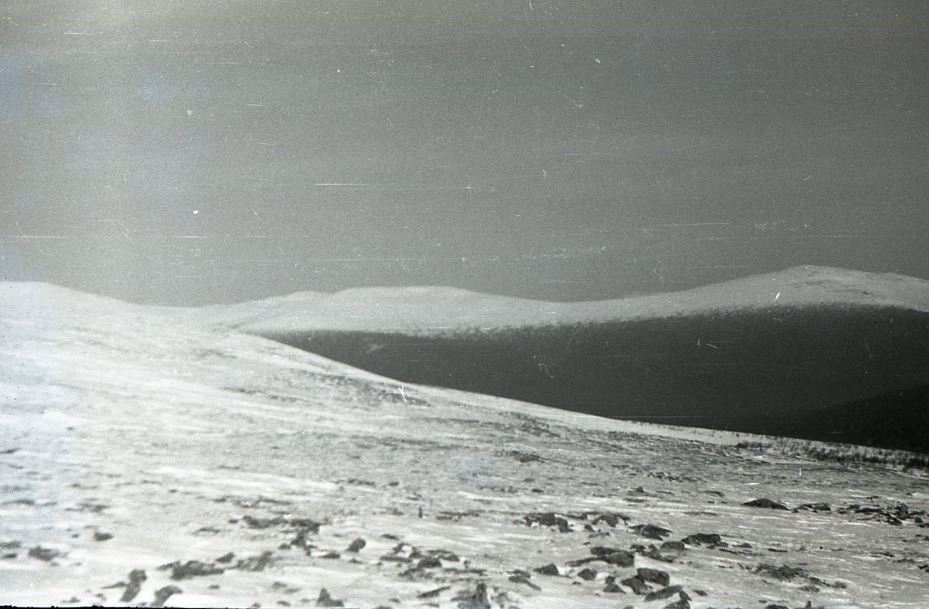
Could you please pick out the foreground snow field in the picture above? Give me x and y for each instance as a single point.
(149, 456)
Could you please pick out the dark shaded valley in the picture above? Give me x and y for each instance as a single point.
(838, 373)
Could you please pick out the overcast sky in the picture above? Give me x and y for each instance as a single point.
(191, 152)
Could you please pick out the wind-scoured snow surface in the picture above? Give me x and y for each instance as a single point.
(135, 440)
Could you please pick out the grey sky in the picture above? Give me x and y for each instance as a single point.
(193, 152)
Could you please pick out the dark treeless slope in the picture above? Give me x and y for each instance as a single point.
(766, 353)
(899, 419)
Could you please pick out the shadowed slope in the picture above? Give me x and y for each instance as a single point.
(899, 419)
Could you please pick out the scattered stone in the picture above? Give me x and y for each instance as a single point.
(433, 593)
(356, 545)
(302, 538)
(284, 587)
(255, 563)
(651, 531)
(654, 576)
(611, 586)
(226, 558)
(650, 552)
(324, 600)
(136, 578)
(402, 552)
(587, 574)
(549, 569)
(698, 539)
(446, 555)
(548, 519)
(681, 603)
(191, 568)
(611, 518)
(101, 536)
(894, 515)
(766, 503)
(331, 555)
(666, 592)
(815, 507)
(673, 545)
(783, 572)
(635, 584)
(613, 556)
(264, 523)
(45, 554)
(207, 531)
(429, 562)
(163, 594)
(473, 599)
(518, 576)
(776, 606)
(524, 457)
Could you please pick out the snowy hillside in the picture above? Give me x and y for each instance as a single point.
(150, 458)
(756, 354)
(431, 310)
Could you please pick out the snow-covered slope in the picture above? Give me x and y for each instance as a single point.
(149, 457)
(737, 355)
(435, 310)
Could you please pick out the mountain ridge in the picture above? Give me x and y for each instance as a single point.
(421, 309)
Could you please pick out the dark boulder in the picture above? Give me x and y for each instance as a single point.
(651, 531)
(356, 545)
(548, 519)
(764, 502)
(654, 576)
(587, 574)
(163, 594)
(549, 569)
(666, 592)
(613, 556)
(136, 577)
(191, 568)
(815, 507)
(636, 584)
(698, 539)
(473, 599)
(325, 600)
